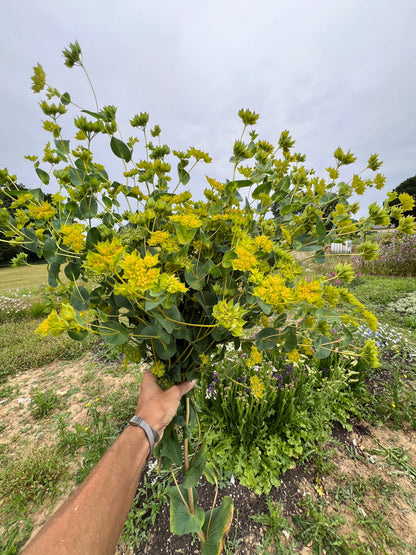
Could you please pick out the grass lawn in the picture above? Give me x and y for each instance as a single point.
(24, 277)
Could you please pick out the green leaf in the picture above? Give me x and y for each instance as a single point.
(320, 229)
(62, 148)
(171, 447)
(97, 115)
(211, 473)
(290, 338)
(43, 176)
(227, 258)
(184, 176)
(88, 208)
(184, 234)
(267, 338)
(181, 520)
(197, 466)
(264, 188)
(120, 149)
(30, 241)
(327, 315)
(151, 304)
(76, 177)
(53, 273)
(79, 299)
(164, 350)
(65, 99)
(78, 335)
(347, 337)
(310, 248)
(49, 249)
(114, 333)
(289, 208)
(217, 528)
(72, 271)
(93, 237)
(322, 347)
(195, 278)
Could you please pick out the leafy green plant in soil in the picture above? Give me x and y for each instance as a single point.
(172, 278)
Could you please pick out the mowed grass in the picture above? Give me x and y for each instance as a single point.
(24, 277)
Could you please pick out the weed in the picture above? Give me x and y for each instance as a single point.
(276, 526)
(150, 497)
(8, 392)
(94, 437)
(43, 402)
(26, 483)
(318, 528)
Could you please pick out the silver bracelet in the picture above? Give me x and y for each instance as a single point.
(151, 434)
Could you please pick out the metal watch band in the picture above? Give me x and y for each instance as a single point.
(151, 434)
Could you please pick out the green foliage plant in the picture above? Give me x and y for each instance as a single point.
(260, 419)
(43, 402)
(138, 261)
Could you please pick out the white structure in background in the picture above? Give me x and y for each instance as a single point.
(341, 248)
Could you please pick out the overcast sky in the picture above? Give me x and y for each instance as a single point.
(333, 73)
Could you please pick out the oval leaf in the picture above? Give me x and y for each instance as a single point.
(114, 333)
(120, 149)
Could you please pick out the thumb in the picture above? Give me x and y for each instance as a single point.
(185, 387)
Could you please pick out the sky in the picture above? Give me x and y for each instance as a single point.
(332, 73)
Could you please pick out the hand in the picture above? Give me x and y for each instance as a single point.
(156, 406)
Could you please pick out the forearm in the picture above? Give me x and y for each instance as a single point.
(91, 520)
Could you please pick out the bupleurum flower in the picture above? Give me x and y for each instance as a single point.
(245, 260)
(106, 259)
(43, 211)
(294, 356)
(274, 291)
(369, 353)
(188, 221)
(55, 323)
(255, 357)
(264, 243)
(230, 316)
(73, 236)
(158, 369)
(138, 272)
(309, 291)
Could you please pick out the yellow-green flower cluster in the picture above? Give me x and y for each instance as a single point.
(309, 291)
(158, 369)
(106, 259)
(73, 236)
(369, 353)
(230, 316)
(43, 211)
(139, 273)
(273, 291)
(56, 323)
(188, 221)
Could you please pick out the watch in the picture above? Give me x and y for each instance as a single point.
(152, 434)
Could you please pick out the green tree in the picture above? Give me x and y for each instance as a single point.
(407, 186)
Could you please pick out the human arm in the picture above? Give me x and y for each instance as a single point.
(92, 519)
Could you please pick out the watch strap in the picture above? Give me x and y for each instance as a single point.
(151, 434)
